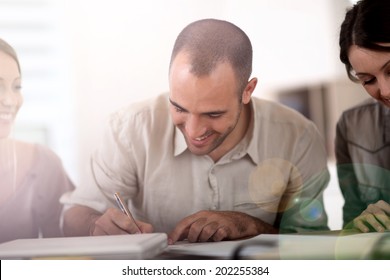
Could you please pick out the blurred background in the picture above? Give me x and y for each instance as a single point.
(83, 59)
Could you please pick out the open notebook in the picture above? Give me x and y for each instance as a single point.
(135, 246)
(324, 246)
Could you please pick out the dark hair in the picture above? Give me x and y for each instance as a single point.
(366, 25)
(211, 41)
(7, 49)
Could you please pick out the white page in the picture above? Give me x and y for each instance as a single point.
(225, 249)
(286, 246)
(130, 246)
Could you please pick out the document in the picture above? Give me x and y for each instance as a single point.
(291, 246)
(129, 246)
(260, 244)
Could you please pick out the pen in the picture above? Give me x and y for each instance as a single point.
(124, 209)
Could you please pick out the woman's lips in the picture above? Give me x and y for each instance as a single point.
(6, 117)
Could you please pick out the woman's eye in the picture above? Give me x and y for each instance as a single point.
(368, 82)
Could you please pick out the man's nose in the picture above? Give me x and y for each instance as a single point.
(194, 127)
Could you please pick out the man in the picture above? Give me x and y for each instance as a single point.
(208, 161)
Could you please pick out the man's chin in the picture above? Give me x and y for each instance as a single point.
(198, 152)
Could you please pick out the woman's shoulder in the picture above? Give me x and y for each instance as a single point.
(37, 154)
(369, 110)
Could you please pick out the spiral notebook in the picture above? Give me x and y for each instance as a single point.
(135, 246)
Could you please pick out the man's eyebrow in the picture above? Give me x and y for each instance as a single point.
(218, 112)
(177, 105)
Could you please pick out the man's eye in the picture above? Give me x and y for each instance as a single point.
(214, 116)
(179, 110)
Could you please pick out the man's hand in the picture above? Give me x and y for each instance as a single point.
(377, 216)
(114, 222)
(218, 225)
(82, 220)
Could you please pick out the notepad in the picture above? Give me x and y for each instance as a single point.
(327, 246)
(134, 246)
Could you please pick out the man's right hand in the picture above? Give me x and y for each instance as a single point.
(81, 220)
(114, 222)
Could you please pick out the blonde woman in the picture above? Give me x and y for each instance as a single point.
(32, 176)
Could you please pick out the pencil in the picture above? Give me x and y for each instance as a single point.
(124, 209)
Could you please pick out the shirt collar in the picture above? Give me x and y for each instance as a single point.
(179, 144)
(252, 135)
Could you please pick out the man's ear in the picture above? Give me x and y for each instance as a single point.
(250, 87)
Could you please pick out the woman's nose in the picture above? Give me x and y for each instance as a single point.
(8, 98)
(384, 88)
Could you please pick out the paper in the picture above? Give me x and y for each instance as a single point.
(129, 246)
(225, 249)
(288, 246)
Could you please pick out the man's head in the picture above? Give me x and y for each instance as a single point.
(209, 42)
(209, 71)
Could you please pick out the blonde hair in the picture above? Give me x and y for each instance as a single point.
(7, 49)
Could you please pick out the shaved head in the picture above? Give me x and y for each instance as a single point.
(209, 42)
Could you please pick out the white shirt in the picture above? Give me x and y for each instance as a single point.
(279, 166)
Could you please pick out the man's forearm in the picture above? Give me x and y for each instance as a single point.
(79, 220)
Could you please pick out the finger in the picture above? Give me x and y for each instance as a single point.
(180, 232)
(195, 230)
(126, 224)
(98, 231)
(208, 231)
(106, 226)
(384, 220)
(359, 224)
(377, 216)
(220, 234)
(145, 227)
(384, 206)
(113, 221)
(377, 226)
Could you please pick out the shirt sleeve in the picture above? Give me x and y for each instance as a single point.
(302, 207)
(111, 169)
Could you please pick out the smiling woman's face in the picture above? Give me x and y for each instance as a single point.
(372, 68)
(10, 94)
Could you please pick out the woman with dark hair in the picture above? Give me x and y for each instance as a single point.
(32, 178)
(363, 132)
